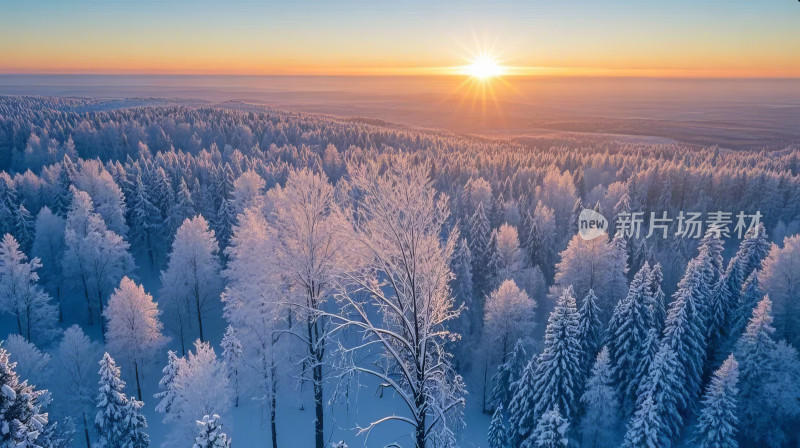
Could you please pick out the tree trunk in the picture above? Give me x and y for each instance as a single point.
(102, 317)
(86, 432)
(318, 405)
(273, 404)
(199, 316)
(138, 387)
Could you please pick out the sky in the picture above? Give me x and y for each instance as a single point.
(682, 38)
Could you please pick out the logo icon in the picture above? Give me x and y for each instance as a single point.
(591, 224)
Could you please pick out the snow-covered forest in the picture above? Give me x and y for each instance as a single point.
(234, 275)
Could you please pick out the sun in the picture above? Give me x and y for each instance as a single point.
(484, 67)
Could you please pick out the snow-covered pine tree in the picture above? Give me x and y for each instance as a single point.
(684, 331)
(646, 355)
(497, 430)
(658, 304)
(210, 433)
(507, 374)
(224, 222)
(111, 403)
(145, 221)
(134, 425)
(166, 394)
(494, 263)
(590, 329)
(559, 378)
(601, 418)
(182, 209)
(550, 432)
(751, 295)
(24, 228)
(232, 356)
(718, 423)
(520, 408)
(657, 422)
(21, 417)
(627, 332)
(480, 233)
(48, 246)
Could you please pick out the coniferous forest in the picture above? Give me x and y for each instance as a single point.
(237, 275)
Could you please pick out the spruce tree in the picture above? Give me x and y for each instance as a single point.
(232, 356)
(658, 313)
(134, 426)
(111, 404)
(520, 408)
(590, 328)
(600, 404)
(751, 295)
(210, 433)
(21, 418)
(717, 424)
(550, 432)
(166, 393)
(497, 430)
(627, 332)
(480, 232)
(508, 373)
(24, 228)
(558, 378)
(657, 422)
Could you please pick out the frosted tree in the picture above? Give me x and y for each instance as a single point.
(658, 310)
(111, 403)
(590, 328)
(24, 227)
(627, 332)
(91, 177)
(166, 385)
(48, 246)
(95, 257)
(463, 289)
(520, 407)
(497, 430)
(550, 432)
(751, 295)
(479, 234)
(781, 280)
(601, 405)
(248, 191)
(134, 425)
(210, 433)
(77, 379)
(22, 420)
(146, 221)
(717, 424)
(32, 364)
(657, 421)
(507, 374)
(232, 357)
(310, 242)
(558, 377)
(134, 331)
(399, 299)
(256, 307)
(183, 208)
(20, 294)
(192, 282)
(508, 318)
(684, 331)
(508, 251)
(596, 264)
(201, 387)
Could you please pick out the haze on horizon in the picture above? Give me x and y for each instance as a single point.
(736, 38)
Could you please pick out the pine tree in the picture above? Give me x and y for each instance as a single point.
(146, 222)
(658, 313)
(751, 295)
(508, 373)
(166, 393)
(497, 430)
(494, 264)
(646, 355)
(550, 432)
(210, 433)
(134, 426)
(21, 418)
(480, 232)
(111, 403)
(559, 378)
(24, 228)
(656, 422)
(717, 424)
(231, 356)
(590, 328)
(182, 209)
(463, 287)
(520, 408)
(226, 219)
(685, 334)
(600, 404)
(627, 332)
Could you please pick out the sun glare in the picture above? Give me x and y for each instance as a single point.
(484, 67)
